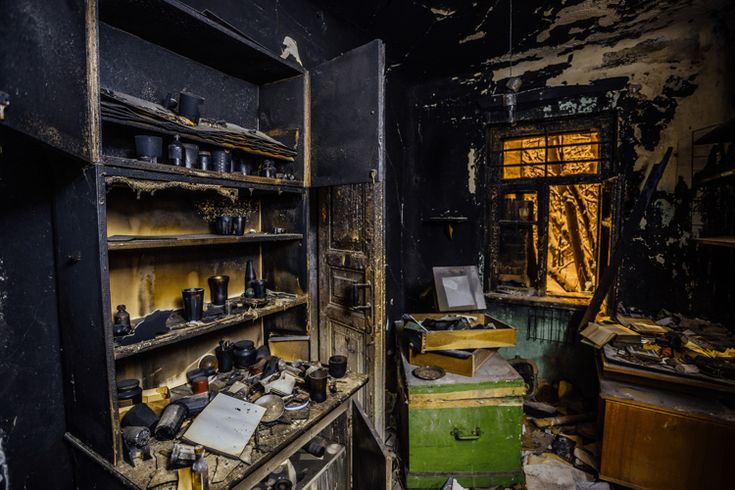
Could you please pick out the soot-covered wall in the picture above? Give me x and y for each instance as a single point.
(662, 68)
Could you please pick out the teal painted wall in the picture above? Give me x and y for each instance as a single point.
(540, 338)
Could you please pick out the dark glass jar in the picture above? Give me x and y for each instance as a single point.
(129, 392)
(121, 320)
(244, 354)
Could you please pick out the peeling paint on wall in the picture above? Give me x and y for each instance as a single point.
(471, 172)
(473, 37)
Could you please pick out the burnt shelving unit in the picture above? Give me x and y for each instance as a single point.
(148, 49)
(140, 232)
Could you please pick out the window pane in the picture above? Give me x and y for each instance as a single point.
(572, 242)
(558, 155)
(524, 157)
(578, 153)
(518, 257)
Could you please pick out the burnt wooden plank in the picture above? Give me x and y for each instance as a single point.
(127, 167)
(184, 30)
(83, 293)
(140, 243)
(188, 332)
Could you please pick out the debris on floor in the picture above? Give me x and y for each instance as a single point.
(560, 441)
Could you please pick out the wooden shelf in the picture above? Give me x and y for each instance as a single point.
(167, 241)
(139, 169)
(718, 241)
(184, 30)
(184, 331)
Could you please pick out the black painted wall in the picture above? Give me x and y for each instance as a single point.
(661, 79)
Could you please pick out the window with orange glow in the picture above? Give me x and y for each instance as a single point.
(552, 219)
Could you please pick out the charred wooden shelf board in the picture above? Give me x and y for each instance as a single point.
(184, 30)
(546, 301)
(282, 440)
(710, 178)
(718, 241)
(187, 331)
(142, 242)
(138, 169)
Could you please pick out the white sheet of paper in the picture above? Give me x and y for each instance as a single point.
(458, 291)
(226, 425)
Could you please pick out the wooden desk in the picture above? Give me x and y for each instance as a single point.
(656, 439)
(283, 440)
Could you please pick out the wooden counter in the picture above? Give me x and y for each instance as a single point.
(274, 444)
(656, 439)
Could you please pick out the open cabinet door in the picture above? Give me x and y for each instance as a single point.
(44, 72)
(347, 99)
(372, 464)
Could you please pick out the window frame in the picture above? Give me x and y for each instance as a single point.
(497, 187)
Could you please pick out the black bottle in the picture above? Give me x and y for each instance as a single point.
(250, 275)
(121, 322)
(176, 152)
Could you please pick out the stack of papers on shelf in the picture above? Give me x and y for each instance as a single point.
(597, 335)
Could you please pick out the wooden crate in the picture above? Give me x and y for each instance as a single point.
(452, 364)
(469, 428)
(502, 335)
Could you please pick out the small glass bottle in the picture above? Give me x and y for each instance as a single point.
(121, 322)
(199, 471)
(176, 152)
(268, 169)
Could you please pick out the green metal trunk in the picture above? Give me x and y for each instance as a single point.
(469, 428)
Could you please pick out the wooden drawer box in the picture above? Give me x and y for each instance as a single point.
(498, 334)
(467, 427)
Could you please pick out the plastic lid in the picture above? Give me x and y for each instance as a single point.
(244, 345)
(127, 384)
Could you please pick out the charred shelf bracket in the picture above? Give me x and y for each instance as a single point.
(449, 221)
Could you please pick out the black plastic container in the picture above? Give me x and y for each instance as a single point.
(244, 354)
(129, 392)
(221, 161)
(149, 148)
(204, 162)
(337, 366)
(218, 289)
(223, 225)
(171, 419)
(190, 106)
(238, 225)
(259, 288)
(193, 304)
(225, 361)
(190, 155)
(317, 383)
